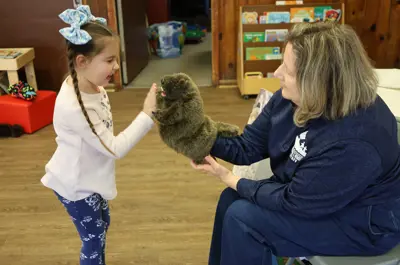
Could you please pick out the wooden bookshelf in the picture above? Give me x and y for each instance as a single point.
(252, 86)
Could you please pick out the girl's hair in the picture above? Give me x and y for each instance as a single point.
(98, 32)
(333, 72)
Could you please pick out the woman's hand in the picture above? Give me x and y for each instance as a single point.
(213, 168)
(149, 105)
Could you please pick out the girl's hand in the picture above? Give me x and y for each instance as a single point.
(213, 168)
(149, 105)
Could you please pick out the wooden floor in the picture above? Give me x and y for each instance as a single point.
(163, 213)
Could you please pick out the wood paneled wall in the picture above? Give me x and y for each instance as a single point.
(393, 46)
(35, 23)
(376, 22)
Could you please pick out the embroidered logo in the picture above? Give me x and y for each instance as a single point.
(299, 149)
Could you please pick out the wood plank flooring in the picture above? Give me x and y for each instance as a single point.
(163, 213)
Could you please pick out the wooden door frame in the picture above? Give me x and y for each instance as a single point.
(113, 25)
(215, 41)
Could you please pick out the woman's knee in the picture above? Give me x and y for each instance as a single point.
(242, 210)
(240, 219)
(228, 196)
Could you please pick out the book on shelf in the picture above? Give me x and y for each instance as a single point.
(300, 14)
(332, 15)
(263, 53)
(250, 18)
(273, 56)
(275, 35)
(278, 17)
(270, 35)
(319, 13)
(294, 15)
(253, 36)
(314, 14)
(287, 2)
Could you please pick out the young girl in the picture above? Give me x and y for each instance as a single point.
(81, 171)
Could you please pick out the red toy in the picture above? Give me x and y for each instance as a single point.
(31, 115)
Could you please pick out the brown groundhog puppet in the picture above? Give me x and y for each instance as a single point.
(182, 123)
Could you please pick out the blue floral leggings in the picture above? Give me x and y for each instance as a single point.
(91, 217)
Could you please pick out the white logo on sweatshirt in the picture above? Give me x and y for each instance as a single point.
(299, 149)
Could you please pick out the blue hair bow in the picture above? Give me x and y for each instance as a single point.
(77, 18)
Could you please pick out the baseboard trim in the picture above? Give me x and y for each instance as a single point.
(227, 84)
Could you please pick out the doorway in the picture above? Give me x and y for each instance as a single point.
(194, 57)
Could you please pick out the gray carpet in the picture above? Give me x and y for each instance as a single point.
(195, 61)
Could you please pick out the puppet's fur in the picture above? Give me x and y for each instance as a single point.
(183, 126)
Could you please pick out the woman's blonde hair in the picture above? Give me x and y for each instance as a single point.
(334, 74)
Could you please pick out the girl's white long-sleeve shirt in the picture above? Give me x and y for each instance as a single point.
(81, 165)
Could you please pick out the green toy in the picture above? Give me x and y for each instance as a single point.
(194, 32)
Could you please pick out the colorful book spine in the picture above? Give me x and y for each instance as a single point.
(278, 17)
(275, 35)
(293, 2)
(263, 53)
(253, 36)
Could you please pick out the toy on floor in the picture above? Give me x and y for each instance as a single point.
(22, 90)
(183, 126)
(194, 33)
(167, 39)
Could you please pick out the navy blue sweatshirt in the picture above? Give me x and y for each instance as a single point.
(321, 168)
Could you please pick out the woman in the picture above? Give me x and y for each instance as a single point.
(332, 143)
